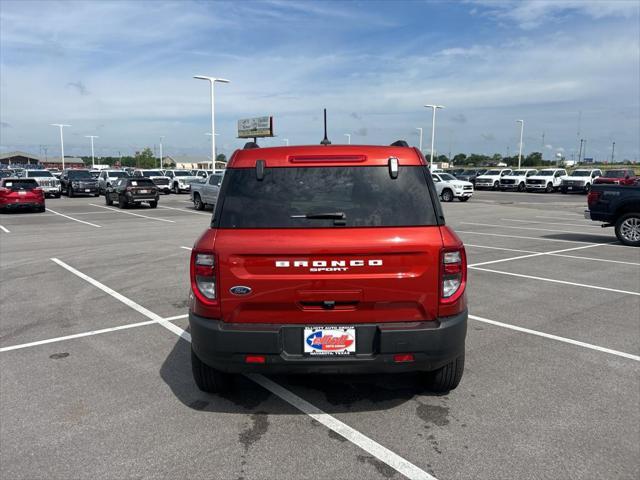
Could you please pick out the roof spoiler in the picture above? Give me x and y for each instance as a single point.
(399, 143)
(250, 146)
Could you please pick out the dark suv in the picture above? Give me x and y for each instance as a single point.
(78, 182)
(129, 191)
(328, 259)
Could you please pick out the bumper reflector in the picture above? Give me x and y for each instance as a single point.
(254, 359)
(403, 357)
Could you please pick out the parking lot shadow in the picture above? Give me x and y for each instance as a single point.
(332, 393)
(583, 237)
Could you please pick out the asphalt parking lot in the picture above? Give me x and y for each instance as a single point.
(551, 387)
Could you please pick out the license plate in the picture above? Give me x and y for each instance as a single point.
(144, 191)
(22, 193)
(329, 340)
(570, 188)
(87, 189)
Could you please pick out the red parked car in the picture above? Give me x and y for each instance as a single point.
(622, 176)
(21, 193)
(328, 259)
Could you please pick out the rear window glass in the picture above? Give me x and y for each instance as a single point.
(152, 173)
(367, 196)
(39, 173)
(142, 182)
(20, 184)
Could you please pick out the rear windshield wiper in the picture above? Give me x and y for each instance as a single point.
(322, 216)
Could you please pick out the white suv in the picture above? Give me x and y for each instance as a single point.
(579, 181)
(546, 180)
(45, 180)
(491, 179)
(106, 178)
(449, 187)
(517, 179)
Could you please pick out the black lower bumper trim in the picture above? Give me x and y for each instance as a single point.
(224, 346)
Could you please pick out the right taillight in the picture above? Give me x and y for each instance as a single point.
(203, 276)
(453, 279)
(593, 198)
(4, 191)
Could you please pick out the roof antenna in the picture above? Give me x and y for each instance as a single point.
(325, 140)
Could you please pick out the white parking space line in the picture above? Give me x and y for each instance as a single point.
(87, 334)
(128, 302)
(74, 219)
(591, 225)
(563, 282)
(521, 228)
(537, 254)
(134, 214)
(185, 210)
(542, 239)
(187, 248)
(392, 459)
(383, 454)
(4, 229)
(578, 257)
(556, 337)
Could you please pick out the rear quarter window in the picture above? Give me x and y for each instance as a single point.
(368, 197)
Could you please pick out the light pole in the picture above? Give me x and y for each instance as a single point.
(521, 122)
(61, 126)
(212, 80)
(580, 151)
(161, 137)
(613, 149)
(93, 161)
(420, 128)
(286, 141)
(348, 135)
(433, 127)
(213, 161)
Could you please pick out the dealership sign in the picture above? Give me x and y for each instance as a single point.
(255, 127)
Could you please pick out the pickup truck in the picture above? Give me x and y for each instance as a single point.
(206, 192)
(547, 180)
(449, 187)
(617, 206)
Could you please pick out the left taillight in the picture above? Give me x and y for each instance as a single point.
(453, 275)
(39, 190)
(203, 276)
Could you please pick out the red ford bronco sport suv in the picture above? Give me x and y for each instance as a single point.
(328, 259)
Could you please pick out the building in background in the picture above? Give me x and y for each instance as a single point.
(69, 162)
(19, 159)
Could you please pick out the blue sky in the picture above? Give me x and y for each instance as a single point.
(123, 71)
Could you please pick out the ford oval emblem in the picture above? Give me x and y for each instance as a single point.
(240, 290)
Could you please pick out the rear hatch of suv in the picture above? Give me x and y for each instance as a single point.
(327, 240)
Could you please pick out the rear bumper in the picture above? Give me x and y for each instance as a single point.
(21, 205)
(224, 346)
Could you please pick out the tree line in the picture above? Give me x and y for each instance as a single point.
(143, 159)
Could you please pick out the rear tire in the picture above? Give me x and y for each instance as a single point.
(153, 204)
(197, 202)
(176, 189)
(563, 190)
(463, 199)
(446, 378)
(628, 229)
(521, 187)
(549, 188)
(122, 203)
(209, 379)
(70, 193)
(447, 195)
(107, 199)
(496, 185)
(587, 188)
